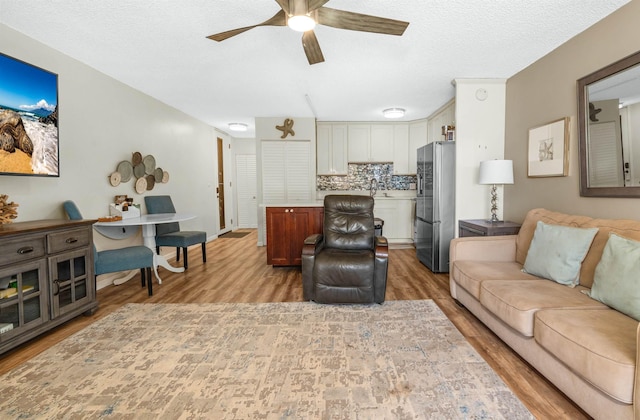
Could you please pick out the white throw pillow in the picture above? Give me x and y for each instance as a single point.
(556, 252)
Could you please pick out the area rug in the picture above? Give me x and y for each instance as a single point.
(234, 235)
(399, 360)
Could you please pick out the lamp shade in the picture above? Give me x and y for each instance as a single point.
(496, 172)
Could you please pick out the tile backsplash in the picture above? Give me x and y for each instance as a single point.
(360, 175)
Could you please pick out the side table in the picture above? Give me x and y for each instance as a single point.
(486, 228)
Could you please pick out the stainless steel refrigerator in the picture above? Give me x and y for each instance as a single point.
(435, 204)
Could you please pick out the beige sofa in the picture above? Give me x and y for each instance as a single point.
(588, 350)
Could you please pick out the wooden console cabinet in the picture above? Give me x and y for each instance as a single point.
(46, 277)
(287, 228)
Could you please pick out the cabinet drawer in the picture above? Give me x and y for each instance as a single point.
(68, 239)
(21, 249)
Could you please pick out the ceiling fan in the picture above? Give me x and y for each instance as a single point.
(303, 15)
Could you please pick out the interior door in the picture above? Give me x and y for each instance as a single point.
(246, 186)
(220, 188)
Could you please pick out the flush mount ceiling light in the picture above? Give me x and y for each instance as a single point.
(393, 113)
(238, 126)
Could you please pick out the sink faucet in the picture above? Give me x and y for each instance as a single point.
(373, 187)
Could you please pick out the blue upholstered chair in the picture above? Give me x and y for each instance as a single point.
(169, 234)
(122, 259)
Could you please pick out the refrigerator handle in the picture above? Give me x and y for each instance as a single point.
(420, 191)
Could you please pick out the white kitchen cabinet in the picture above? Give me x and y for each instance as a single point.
(331, 143)
(398, 218)
(358, 142)
(370, 143)
(444, 116)
(417, 139)
(401, 149)
(381, 145)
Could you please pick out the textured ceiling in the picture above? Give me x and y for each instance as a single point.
(159, 47)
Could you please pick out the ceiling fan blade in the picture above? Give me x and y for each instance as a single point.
(279, 19)
(284, 5)
(312, 48)
(342, 19)
(316, 4)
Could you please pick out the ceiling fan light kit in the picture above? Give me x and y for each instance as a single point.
(238, 126)
(301, 23)
(393, 112)
(303, 15)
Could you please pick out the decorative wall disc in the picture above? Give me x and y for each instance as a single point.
(141, 185)
(149, 164)
(136, 159)
(138, 170)
(126, 170)
(114, 179)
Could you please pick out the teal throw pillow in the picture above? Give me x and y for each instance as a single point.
(556, 252)
(616, 281)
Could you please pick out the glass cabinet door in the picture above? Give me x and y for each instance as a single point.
(71, 285)
(23, 303)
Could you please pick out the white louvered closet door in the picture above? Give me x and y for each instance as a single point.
(286, 171)
(247, 191)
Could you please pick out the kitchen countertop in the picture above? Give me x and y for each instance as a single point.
(380, 195)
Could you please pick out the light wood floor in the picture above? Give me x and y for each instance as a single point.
(236, 271)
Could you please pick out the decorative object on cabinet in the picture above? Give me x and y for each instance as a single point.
(347, 263)
(495, 172)
(549, 149)
(486, 228)
(302, 16)
(8, 210)
(28, 119)
(50, 262)
(143, 169)
(449, 132)
(286, 128)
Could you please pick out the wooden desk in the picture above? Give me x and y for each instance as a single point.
(486, 228)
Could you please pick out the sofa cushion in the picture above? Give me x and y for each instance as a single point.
(616, 282)
(469, 274)
(556, 252)
(515, 302)
(598, 345)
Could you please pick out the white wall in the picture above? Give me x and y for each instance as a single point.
(480, 125)
(102, 122)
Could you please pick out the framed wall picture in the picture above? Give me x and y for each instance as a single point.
(548, 152)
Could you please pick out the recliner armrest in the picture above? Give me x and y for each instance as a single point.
(381, 247)
(312, 244)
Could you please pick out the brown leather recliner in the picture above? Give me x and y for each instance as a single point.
(347, 263)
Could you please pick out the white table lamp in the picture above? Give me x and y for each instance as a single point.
(495, 172)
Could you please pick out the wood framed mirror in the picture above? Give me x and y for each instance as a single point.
(609, 130)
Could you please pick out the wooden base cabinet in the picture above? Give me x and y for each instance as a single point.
(46, 277)
(287, 228)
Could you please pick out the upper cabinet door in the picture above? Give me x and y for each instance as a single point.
(381, 147)
(339, 149)
(401, 149)
(331, 147)
(358, 143)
